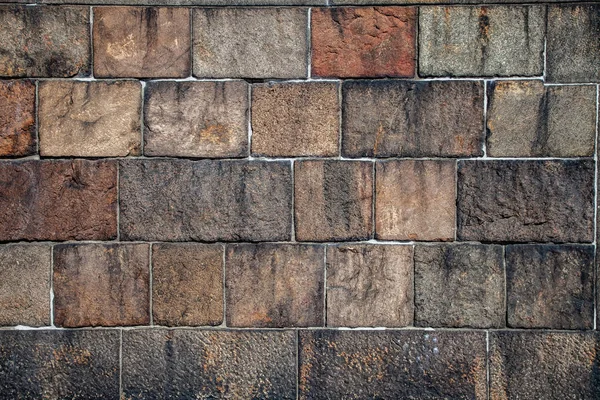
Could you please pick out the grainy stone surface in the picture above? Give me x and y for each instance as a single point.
(101, 284)
(187, 364)
(196, 119)
(459, 286)
(528, 119)
(415, 200)
(573, 45)
(392, 365)
(369, 285)
(363, 42)
(17, 118)
(481, 41)
(141, 42)
(387, 118)
(333, 200)
(250, 43)
(295, 119)
(274, 285)
(25, 284)
(57, 364)
(526, 201)
(90, 119)
(178, 200)
(187, 284)
(198, 2)
(544, 365)
(58, 200)
(44, 41)
(550, 286)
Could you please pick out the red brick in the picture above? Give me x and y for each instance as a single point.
(17, 118)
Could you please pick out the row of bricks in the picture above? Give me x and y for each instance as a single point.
(151, 42)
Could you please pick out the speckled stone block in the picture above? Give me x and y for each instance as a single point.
(17, 118)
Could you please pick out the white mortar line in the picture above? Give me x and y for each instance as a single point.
(224, 277)
(293, 208)
(36, 108)
(595, 274)
(91, 42)
(142, 116)
(485, 106)
(544, 73)
(121, 364)
(191, 10)
(52, 286)
(249, 116)
(340, 116)
(150, 282)
(373, 199)
(118, 202)
(325, 285)
(297, 364)
(309, 44)
(487, 363)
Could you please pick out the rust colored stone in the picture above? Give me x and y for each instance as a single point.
(17, 118)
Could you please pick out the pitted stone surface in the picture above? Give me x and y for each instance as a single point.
(17, 118)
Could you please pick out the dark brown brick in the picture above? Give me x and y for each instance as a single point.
(58, 200)
(17, 118)
(101, 285)
(274, 285)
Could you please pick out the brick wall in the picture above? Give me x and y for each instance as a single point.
(200, 202)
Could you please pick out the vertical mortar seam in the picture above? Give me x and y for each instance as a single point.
(91, 42)
(309, 44)
(325, 286)
(150, 283)
(249, 123)
(297, 364)
(293, 210)
(224, 286)
(121, 364)
(485, 107)
(52, 286)
(595, 270)
(487, 363)
(545, 41)
(414, 285)
(340, 116)
(373, 194)
(142, 125)
(36, 108)
(418, 15)
(191, 16)
(505, 287)
(118, 201)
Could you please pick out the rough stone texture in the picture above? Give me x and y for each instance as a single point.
(186, 364)
(333, 200)
(44, 41)
(573, 45)
(549, 286)
(363, 42)
(187, 284)
(369, 285)
(481, 41)
(392, 365)
(25, 284)
(528, 119)
(459, 286)
(89, 119)
(526, 201)
(56, 364)
(295, 119)
(274, 285)
(250, 43)
(141, 42)
(101, 284)
(17, 118)
(58, 200)
(196, 119)
(415, 200)
(199, 2)
(178, 200)
(544, 365)
(387, 118)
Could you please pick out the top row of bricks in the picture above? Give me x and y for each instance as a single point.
(279, 43)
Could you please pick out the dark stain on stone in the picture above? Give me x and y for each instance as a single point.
(484, 31)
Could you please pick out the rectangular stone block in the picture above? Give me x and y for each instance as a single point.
(196, 119)
(392, 365)
(394, 118)
(274, 285)
(526, 201)
(179, 200)
(189, 364)
(17, 118)
(199, 2)
(90, 119)
(58, 200)
(101, 284)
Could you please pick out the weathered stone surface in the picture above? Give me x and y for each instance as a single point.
(459, 286)
(363, 42)
(573, 45)
(387, 118)
(44, 41)
(101, 284)
(177, 200)
(481, 41)
(58, 200)
(295, 119)
(187, 364)
(549, 286)
(198, 2)
(369, 285)
(90, 119)
(17, 118)
(392, 365)
(526, 118)
(415, 200)
(526, 201)
(187, 284)
(333, 200)
(196, 119)
(274, 285)
(141, 42)
(404, 2)
(25, 284)
(544, 365)
(250, 43)
(82, 364)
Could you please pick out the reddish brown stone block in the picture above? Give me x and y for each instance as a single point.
(17, 118)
